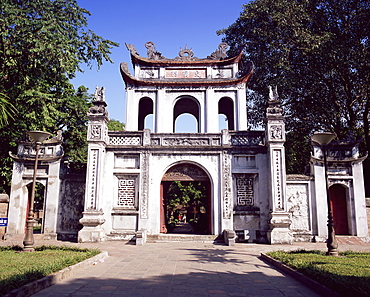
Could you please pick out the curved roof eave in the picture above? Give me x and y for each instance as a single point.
(138, 60)
(130, 80)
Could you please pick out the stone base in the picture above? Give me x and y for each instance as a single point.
(279, 232)
(89, 234)
(49, 236)
(92, 230)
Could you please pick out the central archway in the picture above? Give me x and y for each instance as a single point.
(186, 200)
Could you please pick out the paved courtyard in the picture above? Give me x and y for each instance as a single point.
(184, 269)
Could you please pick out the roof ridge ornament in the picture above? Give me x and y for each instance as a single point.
(132, 49)
(152, 53)
(186, 54)
(220, 52)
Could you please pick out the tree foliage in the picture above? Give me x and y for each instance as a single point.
(184, 194)
(42, 44)
(114, 125)
(317, 53)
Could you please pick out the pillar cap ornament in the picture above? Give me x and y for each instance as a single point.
(99, 108)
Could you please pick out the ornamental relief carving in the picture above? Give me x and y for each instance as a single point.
(344, 182)
(276, 132)
(185, 172)
(244, 189)
(297, 205)
(226, 184)
(144, 185)
(96, 132)
(185, 141)
(92, 188)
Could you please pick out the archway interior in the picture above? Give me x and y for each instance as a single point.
(339, 208)
(189, 106)
(145, 109)
(38, 206)
(186, 207)
(186, 201)
(226, 107)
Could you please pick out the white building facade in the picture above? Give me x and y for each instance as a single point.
(249, 197)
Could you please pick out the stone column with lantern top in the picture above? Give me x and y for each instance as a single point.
(97, 137)
(280, 218)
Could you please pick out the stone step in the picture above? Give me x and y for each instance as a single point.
(354, 240)
(182, 238)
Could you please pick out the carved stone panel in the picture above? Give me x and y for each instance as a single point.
(244, 189)
(185, 73)
(95, 132)
(127, 191)
(297, 204)
(92, 189)
(278, 180)
(71, 205)
(226, 185)
(276, 132)
(144, 185)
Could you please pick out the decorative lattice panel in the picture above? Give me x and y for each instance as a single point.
(244, 190)
(246, 140)
(115, 140)
(126, 192)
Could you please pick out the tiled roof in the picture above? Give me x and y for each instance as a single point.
(138, 60)
(130, 80)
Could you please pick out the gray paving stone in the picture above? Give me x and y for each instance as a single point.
(183, 269)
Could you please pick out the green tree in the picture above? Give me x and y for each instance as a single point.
(185, 193)
(7, 110)
(317, 53)
(42, 44)
(114, 125)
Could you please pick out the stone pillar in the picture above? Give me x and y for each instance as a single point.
(241, 109)
(211, 112)
(132, 110)
(97, 137)
(163, 124)
(280, 219)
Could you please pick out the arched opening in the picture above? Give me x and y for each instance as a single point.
(145, 108)
(148, 122)
(188, 106)
(338, 200)
(38, 206)
(186, 123)
(222, 122)
(226, 107)
(186, 201)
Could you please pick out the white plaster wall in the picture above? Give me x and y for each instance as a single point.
(51, 202)
(241, 110)
(18, 202)
(262, 200)
(359, 201)
(107, 194)
(159, 164)
(321, 210)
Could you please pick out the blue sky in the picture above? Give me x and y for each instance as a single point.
(170, 24)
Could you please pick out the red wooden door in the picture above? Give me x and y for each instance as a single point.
(163, 211)
(339, 209)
